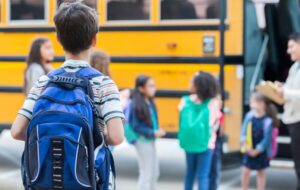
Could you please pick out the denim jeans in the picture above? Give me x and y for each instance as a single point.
(215, 172)
(198, 164)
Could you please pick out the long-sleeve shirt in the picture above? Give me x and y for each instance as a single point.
(292, 96)
(142, 128)
(33, 73)
(265, 125)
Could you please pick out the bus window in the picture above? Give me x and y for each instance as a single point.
(90, 3)
(190, 9)
(24, 10)
(128, 10)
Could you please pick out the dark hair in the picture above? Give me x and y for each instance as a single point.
(271, 109)
(76, 26)
(100, 61)
(59, 2)
(141, 108)
(206, 85)
(34, 56)
(295, 37)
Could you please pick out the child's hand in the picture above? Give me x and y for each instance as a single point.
(244, 148)
(160, 133)
(253, 152)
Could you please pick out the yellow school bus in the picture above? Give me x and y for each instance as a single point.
(167, 39)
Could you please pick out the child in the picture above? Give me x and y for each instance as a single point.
(39, 60)
(144, 121)
(216, 166)
(76, 103)
(198, 115)
(256, 136)
(100, 61)
(77, 27)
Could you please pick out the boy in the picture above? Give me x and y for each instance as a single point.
(76, 28)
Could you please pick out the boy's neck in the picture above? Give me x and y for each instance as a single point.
(83, 56)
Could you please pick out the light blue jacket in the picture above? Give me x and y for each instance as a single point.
(266, 143)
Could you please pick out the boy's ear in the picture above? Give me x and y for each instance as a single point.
(94, 41)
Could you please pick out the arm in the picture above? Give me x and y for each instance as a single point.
(110, 110)
(19, 127)
(214, 113)
(291, 94)
(243, 134)
(181, 104)
(115, 131)
(140, 128)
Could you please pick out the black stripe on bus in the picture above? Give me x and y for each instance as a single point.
(11, 89)
(23, 59)
(171, 93)
(5, 126)
(171, 135)
(122, 28)
(159, 94)
(229, 59)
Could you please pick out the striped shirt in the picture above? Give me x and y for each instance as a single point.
(106, 93)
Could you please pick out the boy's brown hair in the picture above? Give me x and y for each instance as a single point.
(76, 26)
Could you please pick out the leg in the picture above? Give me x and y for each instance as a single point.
(156, 169)
(144, 152)
(245, 178)
(203, 169)
(190, 171)
(261, 180)
(294, 130)
(216, 165)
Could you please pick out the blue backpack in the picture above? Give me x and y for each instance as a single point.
(65, 147)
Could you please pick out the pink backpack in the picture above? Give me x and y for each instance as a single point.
(274, 145)
(275, 133)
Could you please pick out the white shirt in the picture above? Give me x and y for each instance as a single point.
(291, 93)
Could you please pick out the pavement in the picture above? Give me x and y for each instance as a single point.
(172, 163)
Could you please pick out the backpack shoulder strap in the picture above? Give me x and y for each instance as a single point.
(56, 72)
(89, 72)
(267, 122)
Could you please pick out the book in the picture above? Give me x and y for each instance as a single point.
(270, 90)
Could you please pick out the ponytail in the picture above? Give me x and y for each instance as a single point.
(271, 111)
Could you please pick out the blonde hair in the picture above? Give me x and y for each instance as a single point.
(100, 61)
